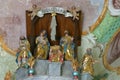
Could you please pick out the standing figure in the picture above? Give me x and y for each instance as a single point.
(87, 66)
(43, 46)
(23, 53)
(68, 46)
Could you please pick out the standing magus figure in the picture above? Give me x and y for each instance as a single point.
(23, 53)
(87, 66)
(68, 45)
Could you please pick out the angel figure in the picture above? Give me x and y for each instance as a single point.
(74, 11)
(87, 65)
(34, 10)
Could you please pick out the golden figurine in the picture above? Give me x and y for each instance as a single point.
(8, 76)
(23, 53)
(43, 46)
(56, 54)
(31, 63)
(68, 46)
(87, 63)
(75, 66)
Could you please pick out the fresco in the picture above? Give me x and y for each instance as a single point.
(114, 49)
(111, 56)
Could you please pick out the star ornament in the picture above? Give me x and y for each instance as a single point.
(53, 13)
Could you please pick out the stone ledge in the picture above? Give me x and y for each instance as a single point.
(48, 78)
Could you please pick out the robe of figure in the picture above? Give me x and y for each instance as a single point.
(87, 64)
(24, 52)
(43, 46)
(68, 46)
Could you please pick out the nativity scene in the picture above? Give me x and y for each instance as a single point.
(65, 40)
(51, 41)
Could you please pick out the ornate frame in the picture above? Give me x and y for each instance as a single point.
(106, 64)
(113, 11)
(100, 18)
(5, 47)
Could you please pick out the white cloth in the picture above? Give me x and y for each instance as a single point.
(53, 27)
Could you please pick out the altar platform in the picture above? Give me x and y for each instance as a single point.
(45, 70)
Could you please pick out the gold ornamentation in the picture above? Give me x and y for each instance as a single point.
(5, 47)
(105, 62)
(53, 13)
(75, 64)
(87, 62)
(67, 45)
(31, 62)
(100, 18)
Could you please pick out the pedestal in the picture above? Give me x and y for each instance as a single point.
(54, 69)
(21, 73)
(45, 77)
(41, 67)
(86, 76)
(67, 69)
(45, 70)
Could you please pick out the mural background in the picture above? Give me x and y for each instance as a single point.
(13, 25)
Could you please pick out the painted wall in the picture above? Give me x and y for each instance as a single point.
(7, 62)
(12, 25)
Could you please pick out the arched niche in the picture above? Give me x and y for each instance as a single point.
(42, 21)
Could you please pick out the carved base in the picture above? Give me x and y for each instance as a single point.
(54, 69)
(86, 76)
